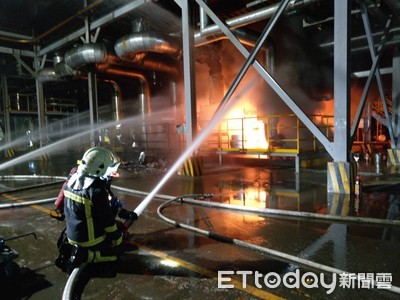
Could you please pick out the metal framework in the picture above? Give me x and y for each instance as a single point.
(344, 128)
(339, 149)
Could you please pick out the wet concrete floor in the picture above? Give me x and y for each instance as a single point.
(164, 261)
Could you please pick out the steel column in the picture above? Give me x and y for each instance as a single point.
(396, 95)
(342, 12)
(188, 69)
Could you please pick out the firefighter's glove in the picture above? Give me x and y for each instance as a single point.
(57, 214)
(132, 217)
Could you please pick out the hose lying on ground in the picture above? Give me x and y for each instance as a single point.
(267, 211)
(268, 251)
(71, 282)
(27, 203)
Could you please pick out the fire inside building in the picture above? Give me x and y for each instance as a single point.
(253, 147)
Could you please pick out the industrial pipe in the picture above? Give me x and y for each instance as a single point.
(132, 47)
(85, 54)
(249, 18)
(48, 74)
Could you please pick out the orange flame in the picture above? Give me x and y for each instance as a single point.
(244, 125)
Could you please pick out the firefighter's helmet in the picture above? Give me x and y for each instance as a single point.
(98, 162)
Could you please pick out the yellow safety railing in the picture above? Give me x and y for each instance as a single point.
(281, 133)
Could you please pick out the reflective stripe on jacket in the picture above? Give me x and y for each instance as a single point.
(89, 216)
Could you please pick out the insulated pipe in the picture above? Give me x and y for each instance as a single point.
(148, 61)
(97, 54)
(63, 70)
(47, 74)
(268, 251)
(117, 99)
(143, 80)
(74, 59)
(250, 18)
(85, 54)
(132, 47)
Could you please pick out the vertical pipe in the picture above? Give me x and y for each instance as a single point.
(242, 134)
(6, 106)
(92, 88)
(298, 133)
(116, 101)
(145, 109)
(367, 123)
(92, 95)
(40, 100)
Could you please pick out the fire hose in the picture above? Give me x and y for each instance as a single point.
(268, 251)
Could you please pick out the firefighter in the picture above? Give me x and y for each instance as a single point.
(91, 234)
(59, 203)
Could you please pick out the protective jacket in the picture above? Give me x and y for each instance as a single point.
(89, 217)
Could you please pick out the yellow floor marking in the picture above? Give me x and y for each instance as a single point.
(45, 210)
(205, 272)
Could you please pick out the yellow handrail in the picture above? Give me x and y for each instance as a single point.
(284, 133)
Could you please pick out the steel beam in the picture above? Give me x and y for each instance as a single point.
(373, 53)
(108, 18)
(12, 51)
(375, 63)
(270, 80)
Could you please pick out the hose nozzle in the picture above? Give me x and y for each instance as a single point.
(205, 196)
(132, 216)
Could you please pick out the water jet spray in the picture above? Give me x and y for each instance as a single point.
(219, 114)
